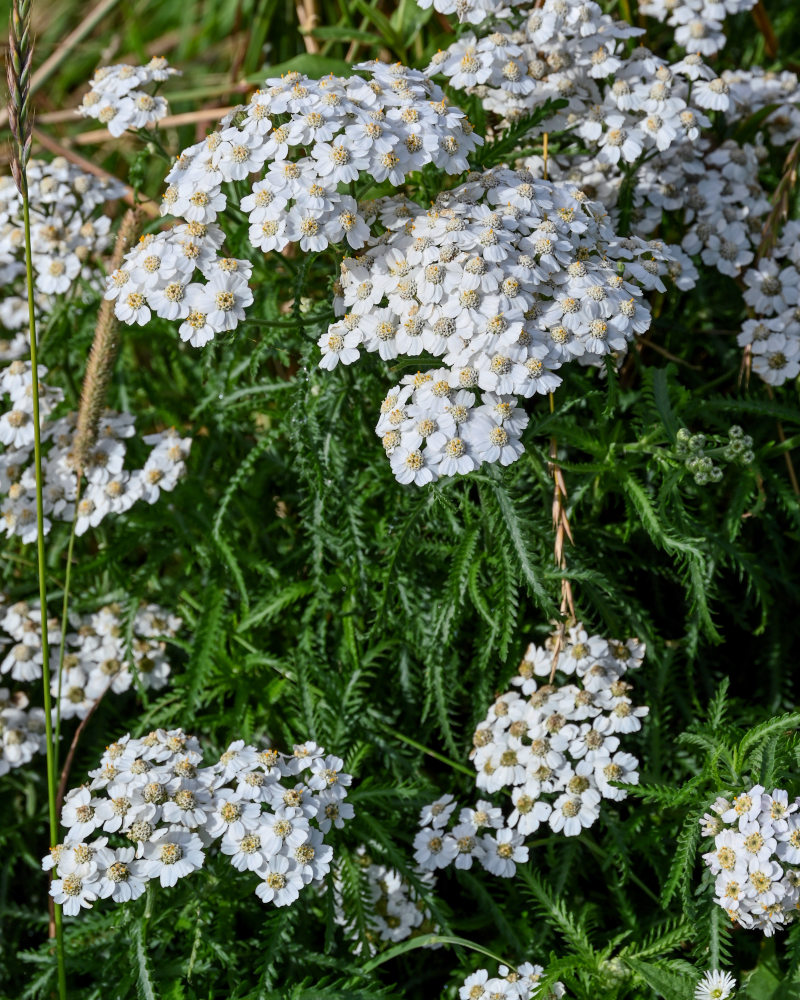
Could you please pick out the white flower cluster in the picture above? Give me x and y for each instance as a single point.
(773, 293)
(756, 857)
(470, 11)
(269, 811)
(347, 129)
(697, 23)
(505, 278)
(97, 656)
(556, 747)
(509, 984)
(755, 89)
(628, 106)
(68, 237)
(108, 488)
(396, 912)
(22, 730)
(715, 985)
(498, 851)
(116, 100)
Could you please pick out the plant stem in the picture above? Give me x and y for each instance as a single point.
(42, 569)
(64, 623)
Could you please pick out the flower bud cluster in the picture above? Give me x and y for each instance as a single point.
(556, 746)
(98, 656)
(505, 279)
(22, 730)
(756, 857)
(396, 912)
(108, 487)
(692, 449)
(68, 238)
(266, 811)
(498, 851)
(697, 23)
(773, 293)
(509, 984)
(116, 100)
(294, 144)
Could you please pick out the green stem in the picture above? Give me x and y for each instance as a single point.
(42, 568)
(64, 623)
(431, 753)
(426, 941)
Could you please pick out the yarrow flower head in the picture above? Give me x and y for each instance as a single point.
(554, 746)
(109, 488)
(756, 858)
(97, 657)
(396, 912)
(515, 984)
(294, 144)
(266, 811)
(22, 730)
(118, 97)
(506, 278)
(69, 237)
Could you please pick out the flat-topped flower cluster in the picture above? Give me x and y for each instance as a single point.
(628, 106)
(304, 139)
(109, 488)
(99, 656)
(396, 911)
(505, 279)
(68, 238)
(697, 23)
(557, 746)
(116, 98)
(268, 811)
(756, 857)
(509, 984)
(773, 293)
(22, 730)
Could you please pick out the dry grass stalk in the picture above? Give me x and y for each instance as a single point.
(102, 356)
(563, 531)
(18, 75)
(308, 18)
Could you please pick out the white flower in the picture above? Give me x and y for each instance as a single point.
(172, 854)
(715, 986)
(282, 881)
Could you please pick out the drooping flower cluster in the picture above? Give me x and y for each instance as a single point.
(116, 98)
(715, 985)
(627, 106)
(266, 811)
(756, 857)
(396, 912)
(505, 278)
(68, 237)
(697, 23)
(499, 851)
(773, 293)
(97, 656)
(303, 138)
(556, 747)
(22, 730)
(509, 984)
(109, 488)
